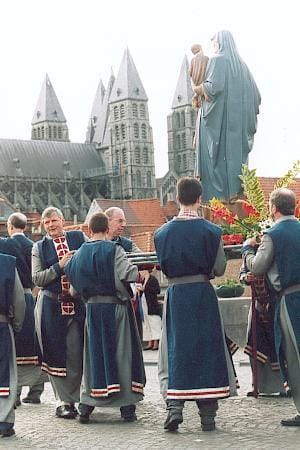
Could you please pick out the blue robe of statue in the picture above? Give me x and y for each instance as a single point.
(227, 121)
(197, 367)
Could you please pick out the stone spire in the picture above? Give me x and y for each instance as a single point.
(184, 92)
(96, 112)
(128, 85)
(103, 112)
(49, 122)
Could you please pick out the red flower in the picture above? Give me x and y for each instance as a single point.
(250, 210)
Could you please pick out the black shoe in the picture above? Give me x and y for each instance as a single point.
(294, 422)
(18, 403)
(128, 413)
(208, 426)
(66, 412)
(172, 421)
(84, 418)
(34, 401)
(7, 433)
(251, 394)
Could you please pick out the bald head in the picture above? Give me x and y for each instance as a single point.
(116, 221)
(16, 223)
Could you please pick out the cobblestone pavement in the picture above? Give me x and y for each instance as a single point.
(242, 423)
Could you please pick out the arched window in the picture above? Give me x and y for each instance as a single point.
(54, 132)
(149, 179)
(125, 178)
(144, 131)
(145, 156)
(134, 110)
(138, 178)
(137, 154)
(182, 119)
(177, 120)
(39, 133)
(183, 140)
(117, 162)
(123, 131)
(142, 110)
(34, 133)
(50, 132)
(59, 131)
(184, 162)
(179, 162)
(42, 132)
(136, 131)
(124, 156)
(122, 111)
(116, 113)
(117, 131)
(178, 143)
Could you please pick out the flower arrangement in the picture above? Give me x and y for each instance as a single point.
(256, 216)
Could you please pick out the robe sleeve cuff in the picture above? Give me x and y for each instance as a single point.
(247, 249)
(58, 269)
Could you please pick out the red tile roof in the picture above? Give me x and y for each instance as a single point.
(267, 185)
(144, 241)
(137, 212)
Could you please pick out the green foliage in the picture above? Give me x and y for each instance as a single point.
(229, 282)
(289, 177)
(253, 191)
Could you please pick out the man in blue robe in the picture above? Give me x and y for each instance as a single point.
(59, 317)
(226, 122)
(113, 364)
(12, 312)
(27, 351)
(193, 361)
(278, 257)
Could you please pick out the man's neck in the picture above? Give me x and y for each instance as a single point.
(16, 231)
(99, 237)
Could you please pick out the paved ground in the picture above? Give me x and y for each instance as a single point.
(242, 423)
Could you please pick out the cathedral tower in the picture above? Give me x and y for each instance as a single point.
(181, 126)
(129, 136)
(49, 122)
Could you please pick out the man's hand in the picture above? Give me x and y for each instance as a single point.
(63, 261)
(250, 241)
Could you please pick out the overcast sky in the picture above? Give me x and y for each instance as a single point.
(78, 41)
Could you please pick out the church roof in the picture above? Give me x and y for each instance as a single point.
(43, 158)
(128, 84)
(48, 107)
(184, 92)
(102, 113)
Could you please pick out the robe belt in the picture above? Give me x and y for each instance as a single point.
(105, 299)
(199, 278)
(290, 290)
(58, 297)
(4, 319)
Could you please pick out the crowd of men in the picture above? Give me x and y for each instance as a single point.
(81, 333)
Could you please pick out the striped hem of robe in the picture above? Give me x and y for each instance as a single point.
(111, 389)
(23, 360)
(261, 357)
(4, 391)
(55, 371)
(197, 394)
(137, 387)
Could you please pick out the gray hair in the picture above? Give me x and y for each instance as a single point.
(284, 200)
(48, 212)
(111, 211)
(18, 220)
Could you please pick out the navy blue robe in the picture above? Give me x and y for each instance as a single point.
(197, 367)
(55, 325)
(7, 281)
(91, 272)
